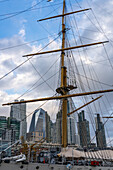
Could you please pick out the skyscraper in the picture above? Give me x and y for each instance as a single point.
(18, 111)
(48, 128)
(71, 130)
(59, 127)
(40, 126)
(83, 130)
(14, 125)
(100, 133)
(53, 132)
(9, 129)
(3, 126)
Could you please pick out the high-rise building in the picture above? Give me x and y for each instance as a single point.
(53, 132)
(3, 125)
(100, 133)
(48, 128)
(9, 132)
(40, 126)
(14, 125)
(83, 130)
(18, 111)
(71, 130)
(9, 129)
(77, 140)
(59, 127)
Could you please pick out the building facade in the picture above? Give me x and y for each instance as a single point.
(71, 137)
(71, 130)
(40, 126)
(53, 132)
(9, 129)
(83, 130)
(18, 111)
(14, 125)
(48, 128)
(100, 133)
(59, 127)
(9, 132)
(3, 126)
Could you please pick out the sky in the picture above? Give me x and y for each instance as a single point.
(21, 34)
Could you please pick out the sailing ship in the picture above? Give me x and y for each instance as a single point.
(64, 90)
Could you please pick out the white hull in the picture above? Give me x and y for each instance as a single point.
(40, 166)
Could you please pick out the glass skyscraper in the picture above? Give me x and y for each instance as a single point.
(40, 126)
(100, 133)
(83, 130)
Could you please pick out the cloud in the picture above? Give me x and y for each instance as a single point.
(28, 75)
(22, 32)
(96, 62)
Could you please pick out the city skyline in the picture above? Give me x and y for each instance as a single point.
(18, 111)
(41, 126)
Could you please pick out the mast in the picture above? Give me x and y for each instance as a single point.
(63, 84)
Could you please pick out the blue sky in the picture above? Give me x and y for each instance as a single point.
(24, 28)
(11, 26)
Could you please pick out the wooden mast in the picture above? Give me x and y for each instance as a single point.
(65, 49)
(60, 97)
(63, 84)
